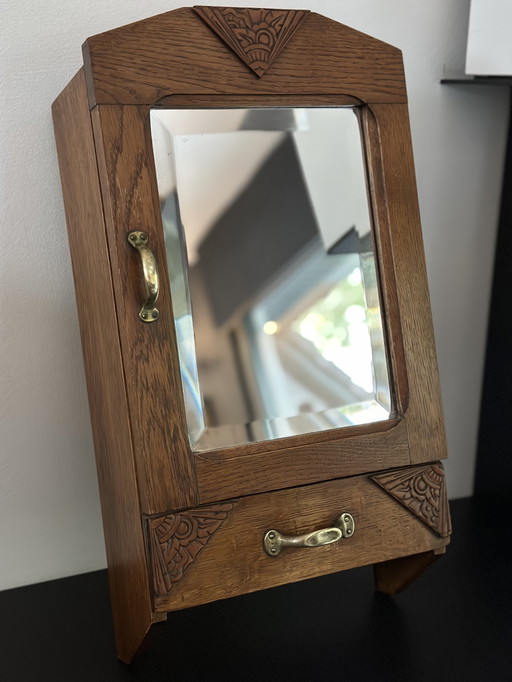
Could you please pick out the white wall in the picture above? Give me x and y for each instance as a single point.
(49, 511)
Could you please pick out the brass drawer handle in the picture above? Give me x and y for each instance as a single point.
(344, 528)
(139, 240)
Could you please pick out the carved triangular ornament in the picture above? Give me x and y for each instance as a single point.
(257, 36)
(177, 539)
(422, 490)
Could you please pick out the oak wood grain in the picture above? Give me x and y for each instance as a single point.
(177, 53)
(131, 605)
(164, 465)
(234, 561)
(223, 475)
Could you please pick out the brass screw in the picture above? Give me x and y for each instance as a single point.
(273, 550)
(271, 535)
(155, 314)
(145, 316)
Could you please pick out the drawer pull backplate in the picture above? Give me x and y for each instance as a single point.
(344, 527)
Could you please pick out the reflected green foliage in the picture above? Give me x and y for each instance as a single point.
(337, 325)
(331, 317)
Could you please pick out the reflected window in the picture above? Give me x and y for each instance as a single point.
(311, 346)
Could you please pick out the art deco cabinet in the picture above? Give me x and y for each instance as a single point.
(250, 280)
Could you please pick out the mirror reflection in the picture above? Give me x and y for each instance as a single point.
(272, 267)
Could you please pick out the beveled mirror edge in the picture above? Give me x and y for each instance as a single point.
(384, 261)
(227, 434)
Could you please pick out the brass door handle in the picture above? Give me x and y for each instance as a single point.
(139, 240)
(344, 527)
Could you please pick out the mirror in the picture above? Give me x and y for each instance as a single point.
(271, 260)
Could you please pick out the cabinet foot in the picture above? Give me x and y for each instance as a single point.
(130, 646)
(395, 575)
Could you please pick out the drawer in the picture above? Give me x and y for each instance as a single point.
(216, 551)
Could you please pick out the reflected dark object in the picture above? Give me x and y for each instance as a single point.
(351, 242)
(258, 234)
(276, 300)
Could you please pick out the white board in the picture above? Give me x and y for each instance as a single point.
(489, 50)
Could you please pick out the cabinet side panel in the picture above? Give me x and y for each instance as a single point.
(103, 366)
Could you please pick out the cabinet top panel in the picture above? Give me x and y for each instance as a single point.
(239, 51)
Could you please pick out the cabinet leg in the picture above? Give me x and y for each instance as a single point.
(130, 644)
(395, 575)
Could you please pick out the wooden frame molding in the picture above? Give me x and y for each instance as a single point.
(421, 490)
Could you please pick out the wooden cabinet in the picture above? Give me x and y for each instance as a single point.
(183, 525)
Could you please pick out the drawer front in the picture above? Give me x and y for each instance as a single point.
(217, 551)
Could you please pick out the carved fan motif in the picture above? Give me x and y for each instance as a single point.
(422, 490)
(257, 36)
(177, 539)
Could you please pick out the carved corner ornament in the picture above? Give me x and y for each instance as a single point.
(177, 539)
(422, 490)
(257, 36)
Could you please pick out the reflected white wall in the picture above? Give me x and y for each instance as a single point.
(335, 179)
